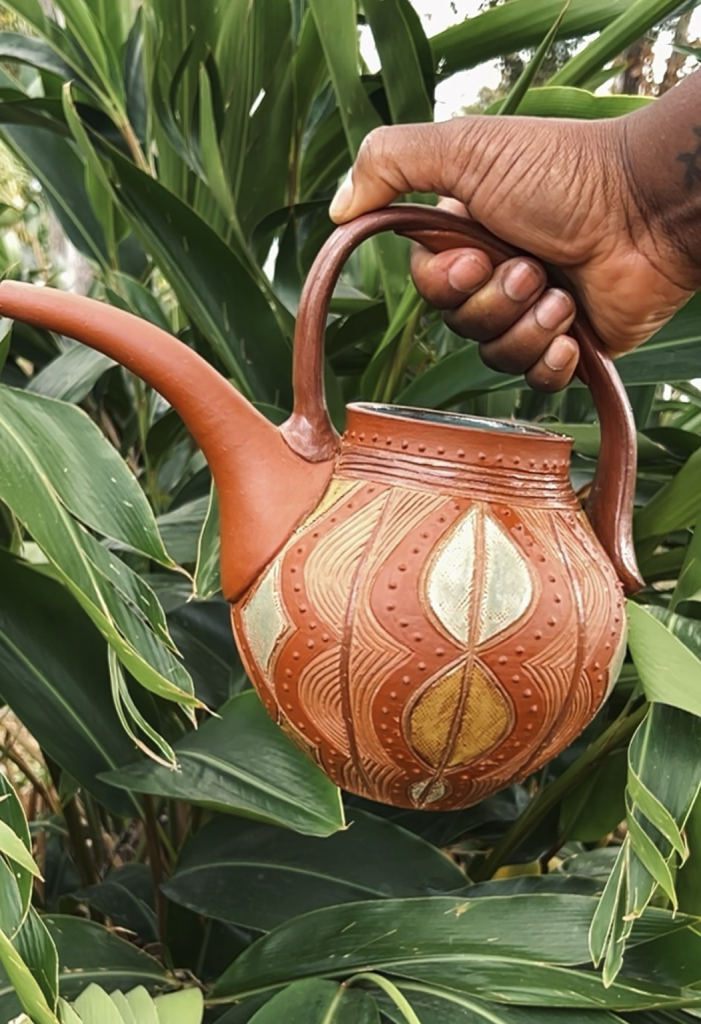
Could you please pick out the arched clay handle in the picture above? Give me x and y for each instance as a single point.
(309, 430)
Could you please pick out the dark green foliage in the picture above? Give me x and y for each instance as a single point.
(189, 153)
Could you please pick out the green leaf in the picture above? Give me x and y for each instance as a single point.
(88, 952)
(436, 1006)
(651, 858)
(243, 764)
(650, 806)
(141, 1005)
(5, 340)
(515, 949)
(82, 469)
(206, 580)
(211, 156)
(665, 775)
(688, 883)
(318, 1002)
(41, 494)
(18, 883)
(67, 1015)
(31, 12)
(125, 895)
(669, 672)
(36, 53)
(180, 529)
(23, 984)
(518, 25)
(186, 1007)
(131, 718)
(675, 506)
(259, 876)
(596, 806)
(120, 1001)
(54, 162)
(72, 375)
(13, 848)
(94, 1006)
(113, 18)
(613, 39)
(336, 25)
(512, 102)
(403, 320)
(36, 947)
(453, 378)
(402, 73)
(13, 905)
(688, 586)
(97, 183)
(567, 101)
(176, 46)
(138, 96)
(607, 923)
(215, 289)
(261, 133)
(53, 674)
(96, 47)
(202, 631)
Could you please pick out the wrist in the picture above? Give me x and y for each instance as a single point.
(659, 192)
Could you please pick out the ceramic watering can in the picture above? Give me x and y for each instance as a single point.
(420, 603)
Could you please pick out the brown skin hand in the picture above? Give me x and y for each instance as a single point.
(613, 204)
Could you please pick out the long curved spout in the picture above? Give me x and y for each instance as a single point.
(264, 488)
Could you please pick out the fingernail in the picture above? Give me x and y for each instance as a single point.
(342, 200)
(559, 353)
(552, 309)
(467, 272)
(521, 281)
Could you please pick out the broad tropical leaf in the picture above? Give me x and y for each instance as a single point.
(520, 949)
(259, 876)
(241, 763)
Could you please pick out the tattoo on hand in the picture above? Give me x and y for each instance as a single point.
(692, 161)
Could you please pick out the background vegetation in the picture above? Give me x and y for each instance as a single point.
(177, 161)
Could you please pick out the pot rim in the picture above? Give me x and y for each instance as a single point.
(456, 420)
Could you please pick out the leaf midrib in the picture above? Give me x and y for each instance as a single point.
(627, 984)
(280, 868)
(256, 783)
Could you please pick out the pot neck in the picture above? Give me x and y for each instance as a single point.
(461, 455)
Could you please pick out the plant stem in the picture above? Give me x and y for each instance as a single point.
(95, 826)
(81, 855)
(49, 798)
(619, 731)
(204, 948)
(143, 416)
(129, 136)
(156, 865)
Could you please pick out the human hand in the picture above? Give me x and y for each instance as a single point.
(557, 189)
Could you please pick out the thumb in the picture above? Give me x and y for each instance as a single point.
(397, 159)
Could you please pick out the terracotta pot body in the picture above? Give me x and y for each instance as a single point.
(444, 620)
(421, 603)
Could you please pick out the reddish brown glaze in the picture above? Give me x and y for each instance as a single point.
(310, 432)
(445, 621)
(421, 603)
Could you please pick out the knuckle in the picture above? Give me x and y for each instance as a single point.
(500, 360)
(458, 325)
(375, 144)
(543, 379)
